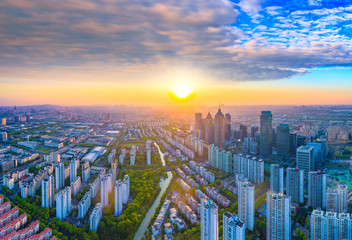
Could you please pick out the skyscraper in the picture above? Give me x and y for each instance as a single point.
(95, 217)
(278, 216)
(148, 152)
(293, 143)
(63, 203)
(209, 129)
(276, 178)
(233, 228)
(219, 129)
(104, 194)
(254, 129)
(316, 190)
(304, 159)
(126, 189)
(227, 126)
(59, 175)
(48, 192)
(266, 133)
(243, 131)
(294, 184)
(73, 170)
(209, 224)
(283, 139)
(199, 123)
(118, 198)
(246, 203)
(114, 168)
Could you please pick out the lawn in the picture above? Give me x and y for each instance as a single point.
(43, 150)
(343, 178)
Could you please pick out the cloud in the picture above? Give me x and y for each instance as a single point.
(121, 39)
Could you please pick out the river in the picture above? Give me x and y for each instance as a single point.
(164, 183)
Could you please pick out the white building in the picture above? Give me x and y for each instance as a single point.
(118, 198)
(75, 185)
(246, 203)
(148, 152)
(278, 220)
(63, 203)
(52, 158)
(336, 199)
(251, 167)
(84, 204)
(126, 189)
(94, 187)
(209, 224)
(73, 170)
(104, 194)
(133, 153)
(48, 192)
(85, 171)
(221, 160)
(95, 217)
(276, 178)
(233, 228)
(59, 175)
(305, 159)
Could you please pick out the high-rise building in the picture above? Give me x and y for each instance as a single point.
(254, 129)
(227, 126)
(95, 217)
(221, 160)
(243, 131)
(336, 199)
(114, 168)
(219, 129)
(276, 178)
(283, 139)
(278, 220)
(73, 170)
(59, 175)
(125, 189)
(209, 129)
(295, 184)
(75, 185)
(63, 203)
(318, 153)
(266, 133)
(209, 224)
(246, 203)
(293, 143)
(48, 192)
(148, 150)
(251, 167)
(104, 193)
(316, 190)
(85, 171)
(84, 204)
(199, 124)
(330, 225)
(233, 228)
(304, 159)
(3, 121)
(118, 198)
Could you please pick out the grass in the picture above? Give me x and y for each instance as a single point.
(43, 150)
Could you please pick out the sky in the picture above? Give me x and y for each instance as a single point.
(243, 52)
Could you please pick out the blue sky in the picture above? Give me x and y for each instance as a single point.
(304, 42)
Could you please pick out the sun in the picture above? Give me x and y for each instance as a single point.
(182, 89)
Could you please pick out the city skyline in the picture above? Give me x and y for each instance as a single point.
(244, 52)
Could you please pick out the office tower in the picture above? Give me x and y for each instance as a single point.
(304, 159)
(198, 121)
(233, 228)
(126, 189)
(318, 153)
(148, 150)
(114, 168)
(254, 129)
(283, 139)
(219, 130)
(73, 171)
(293, 143)
(118, 198)
(59, 175)
(316, 190)
(84, 204)
(276, 178)
(266, 133)
(209, 224)
(243, 131)
(330, 225)
(227, 126)
(63, 203)
(3, 122)
(278, 220)
(209, 129)
(95, 217)
(246, 203)
(251, 167)
(48, 192)
(104, 194)
(294, 184)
